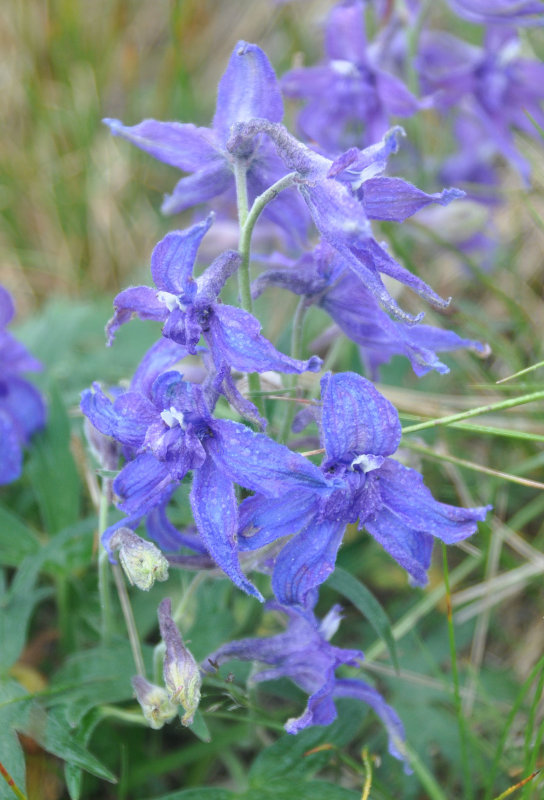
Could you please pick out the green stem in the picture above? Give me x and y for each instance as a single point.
(296, 352)
(129, 621)
(455, 677)
(104, 588)
(474, 412)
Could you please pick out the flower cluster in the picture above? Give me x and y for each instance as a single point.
(258, 504)
(22, 408)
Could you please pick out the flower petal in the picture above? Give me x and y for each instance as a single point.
(248, 89)
(209, 182)
(137, 300)
(395, 199)
(11, 456)
(356, 419)
(173, 259)
(234, 338)
(181, 145)
(213, 502)
(141, 484)
(259, 463)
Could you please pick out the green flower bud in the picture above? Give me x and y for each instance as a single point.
(181, 673)
(154, 701)
(142, 562)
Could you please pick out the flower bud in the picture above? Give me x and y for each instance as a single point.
(142, 562)
(154, 701)
(181, 672)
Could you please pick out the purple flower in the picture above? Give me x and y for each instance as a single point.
(171, 431)
(360, 430)
(190, 308)
(493, 84)
(323, 278)
(349, 99)
(303, 654)
(343, 195)
(22, 409)
(509, 12)
(248, 89)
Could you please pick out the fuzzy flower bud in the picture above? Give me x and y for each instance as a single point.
(181, 673)
(154, 701)
(142, 562)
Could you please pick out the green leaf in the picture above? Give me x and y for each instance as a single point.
(363, 599)
(16, 606)
(11, 752)
(199, 727)
(53, 732)
(16, 539)
(304, 790)
(93, 677)
(52, 469)
(72, 773)
(291, 756)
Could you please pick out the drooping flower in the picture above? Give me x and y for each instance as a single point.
(360, 430)
(350, 99)
(154, 701)
(142, 562)
(22, 408)
(248, 89)
(344, 195)
(304, 655)
(322, 277)
(190, 308)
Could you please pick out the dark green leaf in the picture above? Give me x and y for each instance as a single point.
(16, 539)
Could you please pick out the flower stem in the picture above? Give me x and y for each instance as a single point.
(104, 589)
(296, 352)
(129, 621)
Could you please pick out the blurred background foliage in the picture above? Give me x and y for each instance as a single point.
(79, 218)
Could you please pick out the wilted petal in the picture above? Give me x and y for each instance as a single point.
(182, 145)
(140, 301)
(180, 670)
(142, 562)
(234, 338)
(395, 199)
(248, 89)
(356, 419)
(215, 511)
(259, 463)
(173, 259)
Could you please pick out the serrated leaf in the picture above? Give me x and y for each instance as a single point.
(363, 599)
